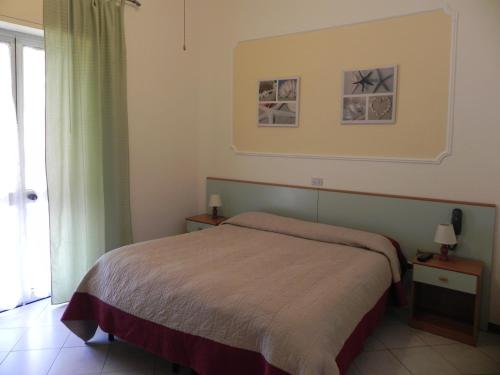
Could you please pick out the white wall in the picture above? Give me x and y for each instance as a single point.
(162, 93)
(472, 172)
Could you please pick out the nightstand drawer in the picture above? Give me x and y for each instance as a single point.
(444, 278)
(193, 226)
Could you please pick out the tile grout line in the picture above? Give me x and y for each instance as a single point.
(17, 341)
(23, 334)
(496, 360)
(401, 362)
(431, 347)
(108, 346)
(382, 347)
(26, 329)
(60, 349)
(55, 358)
(58, 353)
(449, 362)
(455, 367)
(358, 370)
(381, 342)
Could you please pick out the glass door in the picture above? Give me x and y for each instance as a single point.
(24, 241)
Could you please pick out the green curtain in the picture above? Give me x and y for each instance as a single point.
(86, 136)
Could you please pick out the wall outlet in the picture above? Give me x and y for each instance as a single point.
(317, 181)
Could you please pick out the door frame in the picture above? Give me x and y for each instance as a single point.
(17, 40)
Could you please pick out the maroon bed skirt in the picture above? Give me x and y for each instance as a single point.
(205, 356)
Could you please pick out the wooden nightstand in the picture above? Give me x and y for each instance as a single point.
(203, 221)
(446, 297)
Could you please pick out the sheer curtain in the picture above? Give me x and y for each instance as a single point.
(24, 242)
(87, 136)
(12, 205)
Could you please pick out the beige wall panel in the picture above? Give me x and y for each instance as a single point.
(319, 57)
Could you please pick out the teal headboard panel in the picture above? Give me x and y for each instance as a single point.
(413, 222)
(238, 197)
(409, 220)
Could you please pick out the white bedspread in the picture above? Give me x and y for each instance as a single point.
(291, 290)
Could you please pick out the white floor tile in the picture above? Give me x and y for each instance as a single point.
(398, 335)
(372, 343)
(21, 316)
(32, 308)
(28, 329)
(43, 337)
(431, 339)
(489, 344)
(353, 370)
(468, 359)
(73, 340)
(488, 338)
(424, 361)
(18, 320)
(492, 351)
(81, 360)
(379, 363)
(9, 337)
(30, 362)
(51, 315)
(397, 314)
(123, 357)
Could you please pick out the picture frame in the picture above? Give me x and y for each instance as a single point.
(368, 95)
(278, 102)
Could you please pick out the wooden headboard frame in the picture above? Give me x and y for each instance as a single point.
(479, 204)
(409, 220)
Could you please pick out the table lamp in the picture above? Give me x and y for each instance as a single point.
(445, 236)
(214, 202)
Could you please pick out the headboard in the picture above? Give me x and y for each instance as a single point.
(409, 220)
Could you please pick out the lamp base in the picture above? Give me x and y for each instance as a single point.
(215, 215)
(444, 253)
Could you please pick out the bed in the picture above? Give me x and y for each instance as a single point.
(260, 294)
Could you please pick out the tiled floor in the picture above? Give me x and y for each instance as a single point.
(34, 342)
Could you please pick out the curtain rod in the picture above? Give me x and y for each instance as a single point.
(135, 2)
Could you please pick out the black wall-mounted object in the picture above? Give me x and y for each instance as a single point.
(456, 220)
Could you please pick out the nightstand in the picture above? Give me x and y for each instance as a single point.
(203, 221)
(446, 297)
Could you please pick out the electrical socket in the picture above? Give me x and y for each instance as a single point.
(317, 181)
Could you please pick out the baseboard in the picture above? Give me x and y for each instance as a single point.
(495, 328)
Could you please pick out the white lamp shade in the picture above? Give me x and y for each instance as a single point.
(445, 235)
(215, 201)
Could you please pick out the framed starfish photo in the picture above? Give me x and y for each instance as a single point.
(369, 96)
